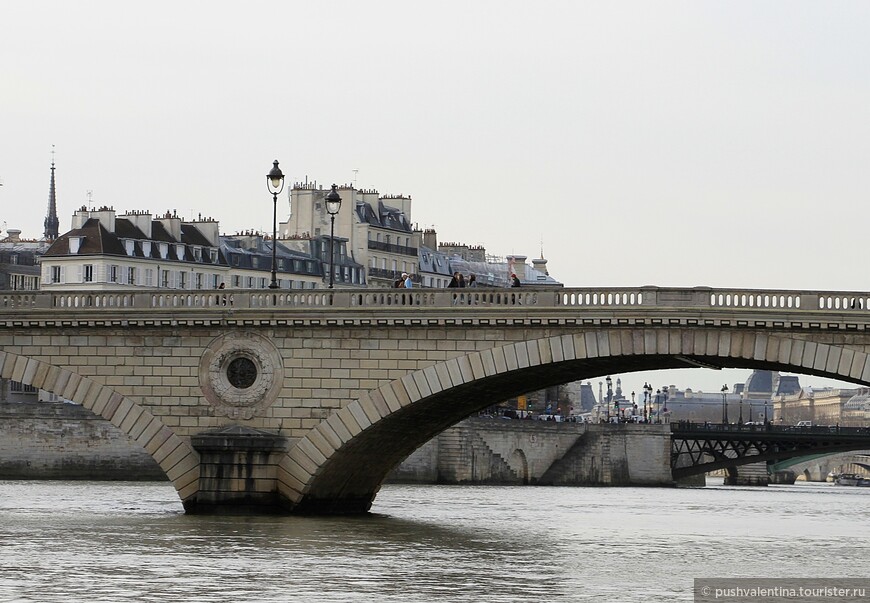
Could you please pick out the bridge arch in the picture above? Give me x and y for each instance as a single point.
(338, 466)
(520, 465)
(817, 467)
(175, 457)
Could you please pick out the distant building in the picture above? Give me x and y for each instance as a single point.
(377, 229)
(136, 250)
(379, 234)
(19, 262)
(848, 407)
(103, 251)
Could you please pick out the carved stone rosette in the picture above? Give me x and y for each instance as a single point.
(241, 374)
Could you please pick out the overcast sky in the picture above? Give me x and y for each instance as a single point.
(666, 143)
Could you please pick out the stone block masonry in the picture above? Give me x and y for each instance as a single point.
(54, 440)
(479, 450)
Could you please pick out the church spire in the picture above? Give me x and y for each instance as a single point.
(51, 222)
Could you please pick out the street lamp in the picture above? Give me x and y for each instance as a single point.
(665, 400)
(609, 399)
(275, 183)
(647, 395)
(658, 405)
(333, 204)
(724, 391)
(740, 418)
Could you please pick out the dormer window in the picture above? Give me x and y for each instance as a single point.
(74, 244)
(179, 251)
(197, 253)
(129, 246)
(146, 248)
(164, 250)
(214, 255)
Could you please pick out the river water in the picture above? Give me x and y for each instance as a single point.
(118, 541)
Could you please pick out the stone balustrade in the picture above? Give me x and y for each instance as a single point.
(615, 297)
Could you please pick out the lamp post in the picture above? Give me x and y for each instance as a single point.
(647, 393)
(740, 418)
(724, 391)
(658, 405)
(275, 183)
(333, 204)
(665, 400)
(609, 399)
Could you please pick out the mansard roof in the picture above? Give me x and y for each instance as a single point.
(240, 252)
(159, 233)
(433, 261)
(385, 217)
(125, 229)
(95, 240)
(191, 235)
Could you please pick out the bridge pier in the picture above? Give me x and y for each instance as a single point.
(238, 469)
(752, 474)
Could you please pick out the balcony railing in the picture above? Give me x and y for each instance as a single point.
(391, 248)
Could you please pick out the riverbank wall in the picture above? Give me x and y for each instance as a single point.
(55, 440)
(483, 450)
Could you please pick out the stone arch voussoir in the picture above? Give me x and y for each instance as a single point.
(308, 457)
(175, 457)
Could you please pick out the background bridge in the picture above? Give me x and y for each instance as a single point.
(316, 395)
(700, 448)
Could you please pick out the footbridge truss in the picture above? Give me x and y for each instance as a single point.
(699, 448)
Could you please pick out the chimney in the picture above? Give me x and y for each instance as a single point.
(430, 239)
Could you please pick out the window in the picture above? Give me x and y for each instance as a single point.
(88, 274)
(165, 278)
(215, 281)
(131, 276)
(113, 273)
(182, 279)
(149, 277)
(199, 280)
(250, 282)
(55, 274)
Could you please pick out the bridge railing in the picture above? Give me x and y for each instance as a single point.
(601, 297)
(685, 426)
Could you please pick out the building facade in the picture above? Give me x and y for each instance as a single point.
(19, 262)
(103, 251)
(377, 230)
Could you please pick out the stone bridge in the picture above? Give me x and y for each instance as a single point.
(816, 468)
(303, 401)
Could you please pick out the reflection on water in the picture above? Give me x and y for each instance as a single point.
(88, 541)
